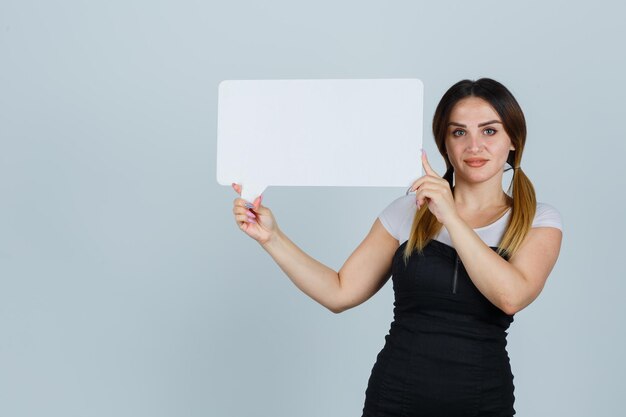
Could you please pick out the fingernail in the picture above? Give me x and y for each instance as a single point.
(249, 205)
(251, 214)
(251, 220)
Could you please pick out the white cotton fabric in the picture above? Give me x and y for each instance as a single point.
(397, 218)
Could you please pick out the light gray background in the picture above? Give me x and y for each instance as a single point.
(126, 288)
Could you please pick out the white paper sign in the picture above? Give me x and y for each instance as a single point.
(350, 132)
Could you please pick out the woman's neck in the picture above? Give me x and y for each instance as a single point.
(481, 196)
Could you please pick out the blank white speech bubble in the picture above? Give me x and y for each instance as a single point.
(346, 132)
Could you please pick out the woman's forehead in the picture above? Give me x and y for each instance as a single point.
(473, 110)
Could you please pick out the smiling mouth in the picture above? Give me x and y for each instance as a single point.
(476, 162)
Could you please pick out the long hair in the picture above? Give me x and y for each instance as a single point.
(425, 225)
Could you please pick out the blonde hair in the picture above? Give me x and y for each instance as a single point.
(425, 225)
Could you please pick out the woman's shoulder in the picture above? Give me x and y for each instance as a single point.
(546, 215)
(402, 203)
(397, 214)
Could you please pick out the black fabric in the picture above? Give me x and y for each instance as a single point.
(445, 354)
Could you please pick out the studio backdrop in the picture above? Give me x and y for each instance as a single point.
(127, 289)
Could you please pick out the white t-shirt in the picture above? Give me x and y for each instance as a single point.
(397, 218)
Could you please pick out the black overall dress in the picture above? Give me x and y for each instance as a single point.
(445, 354)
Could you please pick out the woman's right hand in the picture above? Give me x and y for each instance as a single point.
(257, 222)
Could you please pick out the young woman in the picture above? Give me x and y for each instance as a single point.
(464, 256)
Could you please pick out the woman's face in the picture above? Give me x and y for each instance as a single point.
(476, 142)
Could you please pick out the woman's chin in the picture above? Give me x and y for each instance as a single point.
(477, 177)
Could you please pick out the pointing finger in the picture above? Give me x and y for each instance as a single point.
(426, 165)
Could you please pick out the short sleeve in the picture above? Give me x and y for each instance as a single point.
(397, 215)
(547, 216)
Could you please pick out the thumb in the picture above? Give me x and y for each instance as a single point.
(257, 202)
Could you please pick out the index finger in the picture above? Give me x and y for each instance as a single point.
(426, 165)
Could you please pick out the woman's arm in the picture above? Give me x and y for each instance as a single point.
(509, 285)
(362, 275)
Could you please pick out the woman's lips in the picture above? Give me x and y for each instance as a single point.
(476, 162)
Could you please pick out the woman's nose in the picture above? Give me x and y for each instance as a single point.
(474, 143)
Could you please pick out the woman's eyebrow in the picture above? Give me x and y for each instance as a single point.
(456, 124)
(480, 125)
(489, 122)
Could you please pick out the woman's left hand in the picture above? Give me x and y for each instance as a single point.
(435, 191)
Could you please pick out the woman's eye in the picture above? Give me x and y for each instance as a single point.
(489, 131)
(458, 132)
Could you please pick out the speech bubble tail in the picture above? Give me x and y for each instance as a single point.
(250, 191)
